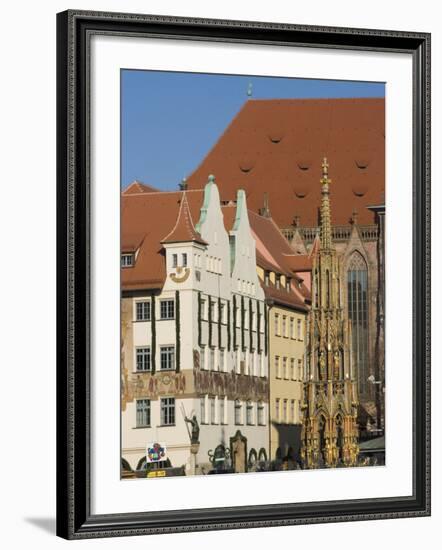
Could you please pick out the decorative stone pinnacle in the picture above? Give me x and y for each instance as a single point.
(183, 184)
(211, 178)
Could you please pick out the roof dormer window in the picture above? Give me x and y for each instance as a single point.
(127, 260)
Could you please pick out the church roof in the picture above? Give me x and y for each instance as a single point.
(277, 145)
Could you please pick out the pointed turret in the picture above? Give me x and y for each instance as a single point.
(184, 230)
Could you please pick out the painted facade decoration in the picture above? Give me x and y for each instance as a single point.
(199, 352)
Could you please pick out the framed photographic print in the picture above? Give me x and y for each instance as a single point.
(243, 274)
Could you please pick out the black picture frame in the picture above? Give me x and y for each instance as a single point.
(74, 518)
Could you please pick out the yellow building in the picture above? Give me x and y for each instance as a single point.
(283, 275)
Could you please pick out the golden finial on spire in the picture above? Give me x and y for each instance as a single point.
(325, 165)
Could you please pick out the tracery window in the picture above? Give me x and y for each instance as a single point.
(357, 286)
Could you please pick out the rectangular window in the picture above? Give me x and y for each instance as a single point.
(284, 326)
(204, 309)
(292, 411)
(238, 412)
(143, 413)
(167, 357)
(299, 329)
(261, 414)
(266, 278)
(203, 410)
(222, 410)
(300, 373)
(278, 281)
(277, 410)
(284, 411)
(262, 364)
(213, 418)
(222, 360)
(277, 367)
(222, 313)
(249, 413)
(292, 369)
(184, 260)
(277, 324)
(285, 368)
(142, 311)
(167, 411)
(214, 305)
(167, 309)
(143, 359)
(127, 260)
(174, 260)
(292, 328)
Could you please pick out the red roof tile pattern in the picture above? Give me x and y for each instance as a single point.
(153, 215)
(184, 231)
(139, 187)
(277, 146)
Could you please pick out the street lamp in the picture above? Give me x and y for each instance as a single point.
(379, 401)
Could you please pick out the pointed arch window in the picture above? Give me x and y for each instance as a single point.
(357, 287)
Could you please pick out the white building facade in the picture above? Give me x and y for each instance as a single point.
(197, 346)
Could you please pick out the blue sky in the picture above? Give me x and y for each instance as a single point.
(171, 120)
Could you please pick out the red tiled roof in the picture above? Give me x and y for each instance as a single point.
(153, 215)
(184, 231)
(139, 187)
(276, 146)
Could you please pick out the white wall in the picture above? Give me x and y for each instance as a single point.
(28, 225)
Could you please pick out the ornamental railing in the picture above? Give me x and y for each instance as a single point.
(340, 233)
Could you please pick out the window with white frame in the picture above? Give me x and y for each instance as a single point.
(277, 366)
(174, 260)
(262, 364)
(142, 311)
(284, 326)
(238, 412)
(222, 312)
(222, 409)
(292, 368)
(167, 309)
(167, 406)
(127, 260)
(204, 309)
(143, 359)
(249, 413)
(238, 360)
(284, 411)
(261, 414)
(222, 360)
(277, 329)
(184, 260)
(277, 410)
(214, 304)
(203, 403)
(167, 357)
(213, 418)
(285, 369)
(142, 413)
(292, 328)
(292, 411)
(299, 329)
(300, 373)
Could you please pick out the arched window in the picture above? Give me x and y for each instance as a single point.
(357, 285)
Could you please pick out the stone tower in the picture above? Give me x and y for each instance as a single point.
(330, 430)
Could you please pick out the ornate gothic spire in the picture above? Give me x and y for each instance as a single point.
(326, 234)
